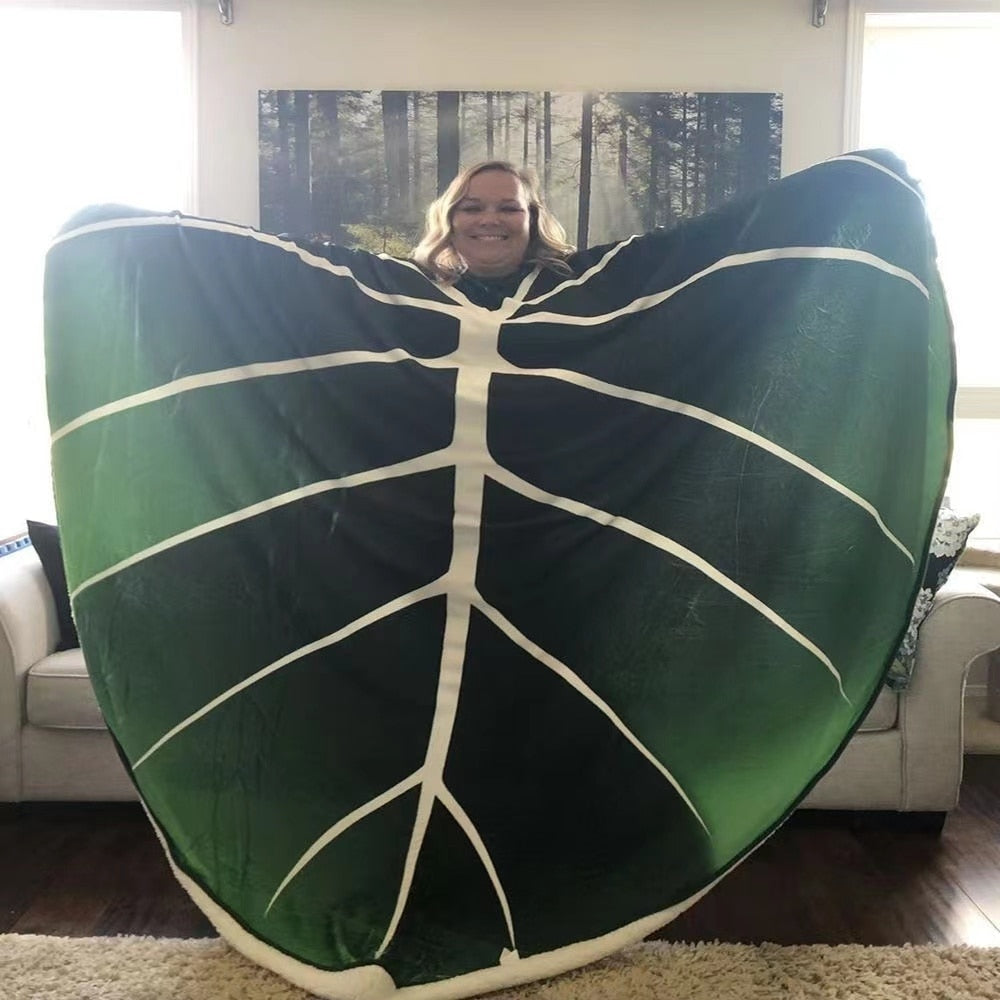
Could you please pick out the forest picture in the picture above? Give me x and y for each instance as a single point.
(359, 167)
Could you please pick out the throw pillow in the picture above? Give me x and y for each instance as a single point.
(45, 540)
(951, 533)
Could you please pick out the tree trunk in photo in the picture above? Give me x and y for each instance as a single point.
(755, 152)
(283, 161)
(547, 129)
(623, 145)
(714, 180)
(417, 187)
(447, 138)
(506, 124)
(489, 125)
(728, 120)
(527, 115)
(666, 212)
(267, 155)
(586, 164)
(403, 146)
(301, 221)
(463, 118)
(653, 189)
(775, 119)
(395, 132)
(685, 154)
(698, 186)
(538, 133)
(332, 220)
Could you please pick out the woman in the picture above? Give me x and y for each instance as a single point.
(488, 230)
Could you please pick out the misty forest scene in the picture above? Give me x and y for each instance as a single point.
(359, 167)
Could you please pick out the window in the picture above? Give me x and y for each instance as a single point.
(923, 84)
(97, 109)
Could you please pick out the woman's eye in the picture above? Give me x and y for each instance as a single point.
(512, 208)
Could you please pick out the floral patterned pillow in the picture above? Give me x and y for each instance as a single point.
(950, 536)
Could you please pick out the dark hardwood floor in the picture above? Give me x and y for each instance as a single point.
(827, 878)
(840, 878)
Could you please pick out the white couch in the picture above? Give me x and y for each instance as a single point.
(906, 757)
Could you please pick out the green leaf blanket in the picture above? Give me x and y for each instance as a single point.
(452, 647)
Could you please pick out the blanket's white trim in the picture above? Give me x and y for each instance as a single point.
(645, 302)
(310, 259)
(853, 157)
(614, 250)
(372, 982)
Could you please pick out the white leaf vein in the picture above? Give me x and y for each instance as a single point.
(342, 826)
(475, 838)
(576, 682)
(720, 423)
(243, 373)
(434, 589)
(422, 463)
(644, 534)
(642, 303)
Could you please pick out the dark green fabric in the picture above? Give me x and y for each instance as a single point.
(641, 601)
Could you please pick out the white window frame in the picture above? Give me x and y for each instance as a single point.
(971, 402)
(188, 10)
(189, 16)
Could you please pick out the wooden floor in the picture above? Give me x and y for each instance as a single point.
(96, 870)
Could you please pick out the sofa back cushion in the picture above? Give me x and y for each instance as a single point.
(45, 540)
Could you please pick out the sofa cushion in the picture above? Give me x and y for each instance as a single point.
(60, 695)
(884, 712)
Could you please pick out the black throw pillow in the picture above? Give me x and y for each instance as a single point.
(45, 541)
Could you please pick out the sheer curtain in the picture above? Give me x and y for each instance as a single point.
(96, 109)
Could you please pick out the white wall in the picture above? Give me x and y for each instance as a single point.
(765, 45)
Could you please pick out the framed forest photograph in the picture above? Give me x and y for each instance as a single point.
(359, 167)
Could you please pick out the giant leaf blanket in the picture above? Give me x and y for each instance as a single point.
(449, 648)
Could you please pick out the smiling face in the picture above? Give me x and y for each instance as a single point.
(491, 224)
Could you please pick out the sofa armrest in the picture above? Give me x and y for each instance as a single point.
(963, 624)
(29, 631)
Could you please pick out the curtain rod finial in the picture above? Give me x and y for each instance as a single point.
(226, 11)
(819, 12)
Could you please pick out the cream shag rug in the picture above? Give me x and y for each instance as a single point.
(138, 968)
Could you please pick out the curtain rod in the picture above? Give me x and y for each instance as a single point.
(818, 17)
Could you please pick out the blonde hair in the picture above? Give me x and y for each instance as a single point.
(547, 243)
